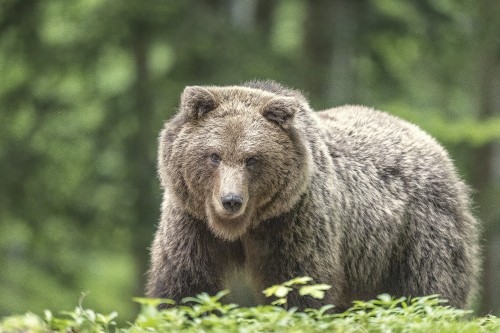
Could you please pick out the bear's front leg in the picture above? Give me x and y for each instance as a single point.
(186, 259)
(275, 256)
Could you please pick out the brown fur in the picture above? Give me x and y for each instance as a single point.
(350, 196)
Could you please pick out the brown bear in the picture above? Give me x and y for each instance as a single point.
(253, 179)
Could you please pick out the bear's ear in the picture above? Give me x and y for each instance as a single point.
(197, 101)
(281, 110)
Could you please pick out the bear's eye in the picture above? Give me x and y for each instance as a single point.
(251, 161)
(214, 159)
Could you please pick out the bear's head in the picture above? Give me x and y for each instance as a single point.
(235, 156)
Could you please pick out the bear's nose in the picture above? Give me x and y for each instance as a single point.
(232, 202)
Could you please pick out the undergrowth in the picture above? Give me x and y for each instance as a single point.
(207, 313)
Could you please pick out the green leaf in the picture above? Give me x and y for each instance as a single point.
(298, 280)
(278, 291)
(279, 301)
(153, 301)
(316, 290)
(282, 291)
(385, 298)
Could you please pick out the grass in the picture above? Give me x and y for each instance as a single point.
(208, 314)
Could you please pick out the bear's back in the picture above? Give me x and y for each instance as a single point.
(371, 134)
(371, 139)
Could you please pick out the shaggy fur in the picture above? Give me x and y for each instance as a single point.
(350, 196)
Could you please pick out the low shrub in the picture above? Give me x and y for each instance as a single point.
(205, 313)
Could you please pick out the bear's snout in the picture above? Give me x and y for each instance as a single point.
(232, 202)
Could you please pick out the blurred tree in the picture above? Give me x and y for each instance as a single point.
(318, 46)
(482, 175)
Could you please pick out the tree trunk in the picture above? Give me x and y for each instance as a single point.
(264, 16)
(318, 46)
(142, 167)
(484, 156)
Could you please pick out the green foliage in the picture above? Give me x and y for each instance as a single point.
(300, 283)
(208, 314)
(468, 130)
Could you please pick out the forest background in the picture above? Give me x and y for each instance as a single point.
(86, 85)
